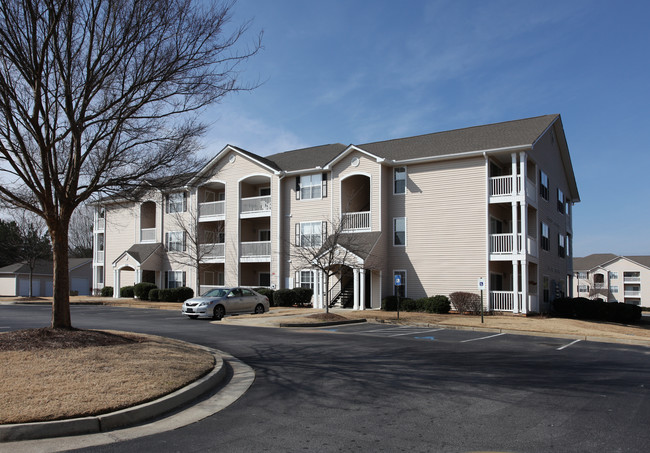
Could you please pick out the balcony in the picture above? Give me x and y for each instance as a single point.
(147, 235)
(255, 206)
(99, 256)
(502, 188)
(212, 210)
(255, 251)
(629, 279)
(212, 253)
(502, 245)
(356, 221)
(632, 293)
(504, 301)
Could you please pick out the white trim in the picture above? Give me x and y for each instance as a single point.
(395, 180)
(226, 149)
(405, 230)
(347, 151)
(251, 175)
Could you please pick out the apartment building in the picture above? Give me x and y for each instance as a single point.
(613, 278)
(439, 210)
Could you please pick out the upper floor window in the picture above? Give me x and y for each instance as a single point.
(176, 202)
(310, 234)
(581, 275)
(399, 231)
(175, 241)
(560, 201)
(613, 289)
(613, 275)
(400, 180)
(546, 243)
(311, 187)
(583, 288)
(543, 185)
(561, 245)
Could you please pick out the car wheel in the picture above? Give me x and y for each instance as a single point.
(193, 316)
(259, 309)
(218, 312)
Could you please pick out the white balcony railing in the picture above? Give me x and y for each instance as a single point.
(256, 249)
(501, 186)
(99, 256)
(211, 209)
(148, 235)
(627, 279)
(255, 205)
(356, 221)
(100, 225)
(212, 251)
(600, 285)
(632, 293)
(502, 244)
(504, 300)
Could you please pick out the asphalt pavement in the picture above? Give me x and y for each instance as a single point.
(389, 388)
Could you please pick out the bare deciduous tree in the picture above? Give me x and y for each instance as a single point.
(97, 94)
(80, 233)
(34, 243)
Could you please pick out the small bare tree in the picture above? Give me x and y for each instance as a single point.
(34, 242)
(81, 232)
(327, 251)
(96, 95)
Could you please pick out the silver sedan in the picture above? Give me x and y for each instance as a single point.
(219, 302)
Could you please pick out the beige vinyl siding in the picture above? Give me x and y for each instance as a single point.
(620, 266)
(445, 210)
(121, 232)
(546, 154)
(232, 174)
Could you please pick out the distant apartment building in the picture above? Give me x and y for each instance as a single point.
(439, 210)
(613, 278)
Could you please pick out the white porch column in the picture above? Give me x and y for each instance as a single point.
(116, 283)
(138, 275)
(356, 289)
(362, 289)
(524, 287)
(515, 285)
(321, 289)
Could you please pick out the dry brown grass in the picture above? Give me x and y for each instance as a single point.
(59, 382)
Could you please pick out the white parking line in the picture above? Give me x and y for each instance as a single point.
(567, 345)
(413, 333)
(483, 338)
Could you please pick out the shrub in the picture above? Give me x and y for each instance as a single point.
(126, 291)
(141, 290)
(154, 295)
(439, 304)
(285, 298)
(466, 302)
(389, 303)
(183, 293)
(268, 293)
(583, 308)
(74, 292)
(107, 291)
(303, 295)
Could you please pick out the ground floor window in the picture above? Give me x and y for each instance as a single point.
(100, 275)
(265, 279)
(401, 289)
(175, 279)
(306, 279)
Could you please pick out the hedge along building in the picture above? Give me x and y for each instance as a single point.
(439, 210)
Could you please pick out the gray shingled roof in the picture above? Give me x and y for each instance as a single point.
(478, 138)
(307, 158)
(597, 259)
(361, 244)
(43, 267)
(643, 260)
(140, 252)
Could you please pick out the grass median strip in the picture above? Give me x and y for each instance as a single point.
(50, 375)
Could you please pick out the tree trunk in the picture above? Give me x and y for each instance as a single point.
(61, 299)
(327, 293)
(31, 277)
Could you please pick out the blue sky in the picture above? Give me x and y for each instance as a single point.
(362, 71)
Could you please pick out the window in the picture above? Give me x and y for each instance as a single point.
(583, 288)
(546, 243)
(311, 187)
(613, 289)
(543, 185)
(306, 279)
(400, 290)
(581, 275)
(561, 246)
(613, 275)
(399, 231)
(176, 202)
(175, 279)
(175, 241)
(221, 196)
(265, 279)
(560, 201)
(310, 234)
(100, 275)
(265, 235)
(400, 180)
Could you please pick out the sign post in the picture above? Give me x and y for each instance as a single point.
(481, 287)
(398, 283)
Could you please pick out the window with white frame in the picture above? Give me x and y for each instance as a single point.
(400, 290)
(175, 279)
(546, 242)
(583, 288)
(309, 234)
(310, 186)
(399, 231)
(306, 279)
(175, 241)
(543, 185)
(581, 275)
(399, 174)
(613, 275)
(176, 202)
(560, 201)
(561, 245)
(613, 289)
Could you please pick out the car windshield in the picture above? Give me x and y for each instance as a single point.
(216, 293)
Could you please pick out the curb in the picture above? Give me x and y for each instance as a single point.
(323, 324)
(121, 418)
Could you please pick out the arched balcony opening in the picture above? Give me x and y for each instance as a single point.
(355, 203)
(148, 222)
(255, 196)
